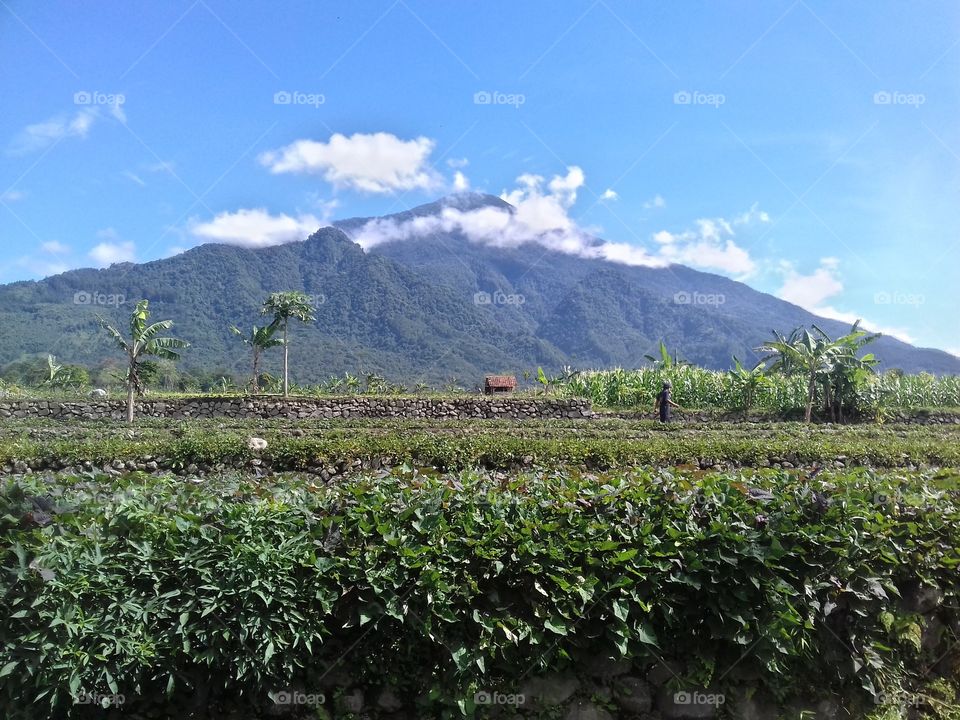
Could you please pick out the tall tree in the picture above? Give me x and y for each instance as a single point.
(285, 306)
(258, 340)
(144, 341)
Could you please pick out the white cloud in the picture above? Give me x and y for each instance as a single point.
(656, 201)
(374, 163)
(326, 207)
(41, 135)
(12, 196)
(53, 247)
(954, 351)
(457, 163)
(754, 214)
(134, 178)
(710, 244)
(813, 290)
(610, 194)
(541, 215)
(256, 228)
(116, 109)
(460, 182)
(107, 253)
(809, 291)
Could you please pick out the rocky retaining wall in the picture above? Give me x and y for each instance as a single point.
(265, 408)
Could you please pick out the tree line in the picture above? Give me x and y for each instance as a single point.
(145, 340)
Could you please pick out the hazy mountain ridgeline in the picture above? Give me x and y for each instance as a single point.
(598, 312)
(430, 307)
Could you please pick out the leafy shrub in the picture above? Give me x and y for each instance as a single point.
(171, 593)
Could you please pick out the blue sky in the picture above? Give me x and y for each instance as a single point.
(809, 148)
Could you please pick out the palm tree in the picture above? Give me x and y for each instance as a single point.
(144, 341)
(286, 306)
(258, 340)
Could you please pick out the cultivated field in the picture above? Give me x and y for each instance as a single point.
(609, 567)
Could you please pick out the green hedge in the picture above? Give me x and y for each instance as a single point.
(173, 594)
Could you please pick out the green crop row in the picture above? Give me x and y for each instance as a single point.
(696, 387)
(497, 446)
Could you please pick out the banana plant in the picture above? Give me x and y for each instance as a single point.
(748, 381)
(665, 361)
(817, 357)
(144, 341)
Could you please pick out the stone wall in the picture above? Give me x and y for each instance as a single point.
(514, 408)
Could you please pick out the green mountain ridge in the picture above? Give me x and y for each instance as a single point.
(410, 310)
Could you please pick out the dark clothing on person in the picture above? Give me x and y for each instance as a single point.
(663, 401)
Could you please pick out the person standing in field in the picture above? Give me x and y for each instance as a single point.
(664, 402)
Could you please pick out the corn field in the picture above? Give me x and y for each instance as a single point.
(695, 387)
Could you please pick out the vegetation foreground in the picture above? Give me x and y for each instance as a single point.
(154, 591)
(400, 569)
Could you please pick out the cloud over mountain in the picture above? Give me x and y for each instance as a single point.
(373, 163)
(540, 212)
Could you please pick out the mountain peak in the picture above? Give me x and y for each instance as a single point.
(471, 200)
(462, 201)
